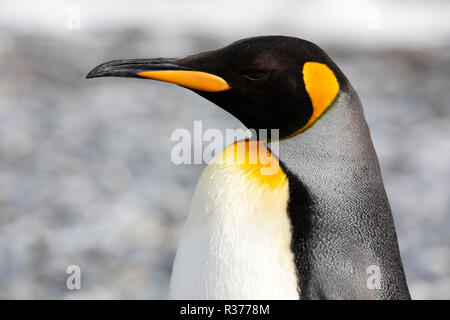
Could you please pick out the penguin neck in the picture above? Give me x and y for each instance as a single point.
(337, 149)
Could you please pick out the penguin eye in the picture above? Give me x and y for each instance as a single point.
(256, 75)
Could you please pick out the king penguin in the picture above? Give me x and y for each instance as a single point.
(319, 226)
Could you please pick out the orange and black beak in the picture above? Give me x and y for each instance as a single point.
(163, 70)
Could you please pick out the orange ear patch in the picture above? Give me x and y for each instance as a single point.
(322, 87)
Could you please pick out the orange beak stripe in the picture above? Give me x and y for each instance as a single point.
(190, 79)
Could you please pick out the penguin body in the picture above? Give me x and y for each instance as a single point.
(341, 219)
(237, 239)
(320, 225)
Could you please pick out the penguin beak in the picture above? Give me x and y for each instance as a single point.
(161, 69)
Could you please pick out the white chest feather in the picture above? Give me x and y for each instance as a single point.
(237, 240)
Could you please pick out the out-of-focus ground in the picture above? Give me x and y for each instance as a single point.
(85, 170)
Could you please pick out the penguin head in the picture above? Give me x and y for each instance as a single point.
(270, 82)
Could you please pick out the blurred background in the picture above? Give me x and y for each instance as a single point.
(85, 170)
